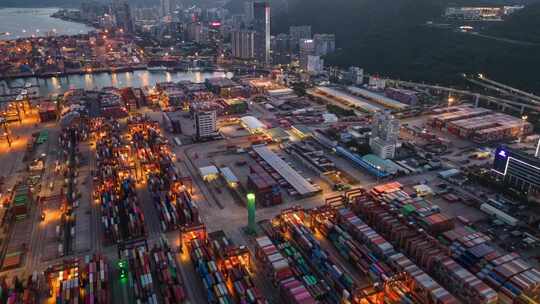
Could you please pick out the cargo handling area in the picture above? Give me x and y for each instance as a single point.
(122, 209)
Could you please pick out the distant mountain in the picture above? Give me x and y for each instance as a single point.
(63, 3)
(523, 25)
(390, 37)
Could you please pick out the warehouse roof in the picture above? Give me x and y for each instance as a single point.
(280, 92)
(278, 134)
(252, 123)
(353, 100)
(207, 171)
(388, 102)
(228, 175)
(297, 181)
(382, 164)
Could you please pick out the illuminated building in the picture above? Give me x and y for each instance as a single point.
(206, 124)
(324, 44)
(261, 25)
(243, 44)
(518, 169)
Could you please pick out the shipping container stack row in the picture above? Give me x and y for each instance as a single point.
(424, 288)
(351, 248)
(206, 265)
(235, 262)
(20, 200)
(264, 186)
(325, 264)
(423, 249)
(18, 291)
(121, 215)
(423, 211)
(515, 280)
(153, 275)
(139, 278)
(167, 274)
(80, 281)
(170, 195)
(471, 250)
(289, 271)
(153, 156)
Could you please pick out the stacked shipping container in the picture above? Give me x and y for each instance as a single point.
(266, 189)
(420, 246)
(207, 268)
(82, 281)
(296, 281)
(115, 191)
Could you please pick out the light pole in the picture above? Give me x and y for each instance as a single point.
(522, 130)
(251, 212)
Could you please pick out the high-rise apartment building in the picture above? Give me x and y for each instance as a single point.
(324, 44)
(280, 49)
(355, 75)
(197, 32)
(384, 135)
(243, 44)
(306, 48)
(296, 33)
(205, 124)
(261, 26)
(315, 64)
(122, 15)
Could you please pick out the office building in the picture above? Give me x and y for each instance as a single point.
(205, 124)
(315, 64)
(261, 25)
(518, 169)
(324, 44)
(384, 135)
(243, 44)
(306, 48)
(122, 16)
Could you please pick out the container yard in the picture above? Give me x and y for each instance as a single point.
(152, 274)
(83, 280)
(480, 125)
(157, 213)
(462, 260)
(169, 191)
(21, 291)
(337, 282)
(114, 189)
(224, 269)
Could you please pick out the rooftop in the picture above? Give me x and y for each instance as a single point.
(350, 99)
(388, 102)
(297, 181)
(252, 123)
